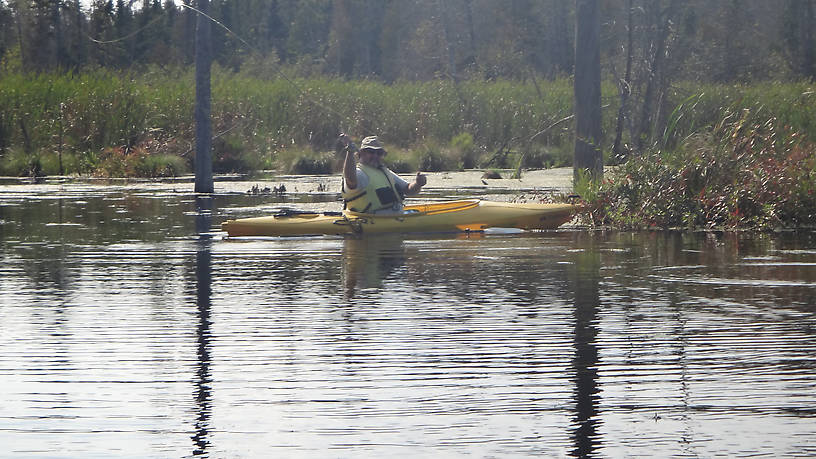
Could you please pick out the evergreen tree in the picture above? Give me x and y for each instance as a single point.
(308, 32)
(7, 26)
(724, 41)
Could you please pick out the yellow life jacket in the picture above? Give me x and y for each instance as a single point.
(380, 194)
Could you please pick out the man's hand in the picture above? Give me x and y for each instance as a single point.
(421, 180)
(346, 141)
(349, 164)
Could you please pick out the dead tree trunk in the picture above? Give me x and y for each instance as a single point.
(587, 89)
(203, 63)
(654, 82)
(625, 84)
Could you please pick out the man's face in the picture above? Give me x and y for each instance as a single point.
(371, 157)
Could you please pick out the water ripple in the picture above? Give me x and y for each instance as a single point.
(163, 344)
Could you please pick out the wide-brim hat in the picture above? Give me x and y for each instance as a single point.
(371, 143)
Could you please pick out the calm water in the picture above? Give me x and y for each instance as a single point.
(130, 328)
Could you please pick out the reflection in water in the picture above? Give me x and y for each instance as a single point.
(585, 278)
(367, 261)
(703, 344)
(203, 270)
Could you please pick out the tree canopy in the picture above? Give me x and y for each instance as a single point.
(394, 40)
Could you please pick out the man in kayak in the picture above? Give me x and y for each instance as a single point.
(369, 186)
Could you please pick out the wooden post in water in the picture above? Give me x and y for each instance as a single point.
(203, 62)
(588, 156)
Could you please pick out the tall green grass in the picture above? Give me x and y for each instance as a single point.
(79, 117)
(702, 106)
(86, 121)
(83, 118)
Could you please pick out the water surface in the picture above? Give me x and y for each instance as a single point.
(131, 328)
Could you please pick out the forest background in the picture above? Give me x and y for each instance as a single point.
(107, 87)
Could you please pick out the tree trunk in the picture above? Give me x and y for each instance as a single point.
(79, 60)
(20, 41)
(560, 51)
(650, 108)
(810, 45)
(471, 57)
(59, 45)
(443, 16)
(626, 84)
(587, 89)
(203, 60)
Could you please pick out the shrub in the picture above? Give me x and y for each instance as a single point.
(400, 166)
(464, 150)
(162, 166)
(543, 159)
(305, 161)
(15, 162)
(432, 160)
(229, 155)
(138, 162)
(321, 165)
(741, 174)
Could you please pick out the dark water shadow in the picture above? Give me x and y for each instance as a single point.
(584, 280)
(203, 278)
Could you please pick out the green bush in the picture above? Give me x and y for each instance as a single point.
(431, 159)
(543, 159)
(740, 174)
(229, 155)
(162, 166)
(306, 162)
(465, 151)
(321, 165)
(14, 163)
(400, 166)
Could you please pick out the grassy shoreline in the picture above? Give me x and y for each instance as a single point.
(727, 156)
(106, 123)
(97, 121)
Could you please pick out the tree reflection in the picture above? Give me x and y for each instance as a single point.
(46, 263)
(585, 278)
(203, 270)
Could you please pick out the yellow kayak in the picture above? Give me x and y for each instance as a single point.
(465, 215)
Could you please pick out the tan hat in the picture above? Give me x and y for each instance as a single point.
(371, 143)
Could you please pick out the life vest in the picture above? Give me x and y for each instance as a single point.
(380, 194)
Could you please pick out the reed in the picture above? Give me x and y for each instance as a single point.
(73, 122)
(791, 104)
(73, 119)
(746, 172)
